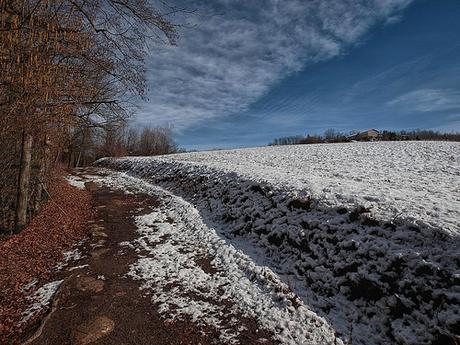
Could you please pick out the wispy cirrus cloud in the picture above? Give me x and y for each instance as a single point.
(428, 100)
(229, 59)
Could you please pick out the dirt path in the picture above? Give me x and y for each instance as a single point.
(98, 304)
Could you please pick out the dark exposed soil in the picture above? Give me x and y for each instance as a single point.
(97, 304)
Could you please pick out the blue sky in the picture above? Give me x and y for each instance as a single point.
(245, 72)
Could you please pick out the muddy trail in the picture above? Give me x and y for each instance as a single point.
(99, 303)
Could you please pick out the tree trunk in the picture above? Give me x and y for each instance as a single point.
(44, 163)
(70, 162)
(57, 157)
(78, 159)
(24, 182)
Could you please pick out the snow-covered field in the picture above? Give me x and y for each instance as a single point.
(420, 180)
(366, 234)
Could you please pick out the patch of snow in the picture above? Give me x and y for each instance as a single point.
(76, 181)
(70, 256)
(101, 180)
(77, 267)
(41, 299)
(30, 285)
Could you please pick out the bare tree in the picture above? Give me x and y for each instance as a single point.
(67, 67)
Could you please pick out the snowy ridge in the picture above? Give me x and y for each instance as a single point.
(377, 278)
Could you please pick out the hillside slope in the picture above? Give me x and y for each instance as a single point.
(366, 234)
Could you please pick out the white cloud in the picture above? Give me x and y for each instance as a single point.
(428, 100)
(227, 61)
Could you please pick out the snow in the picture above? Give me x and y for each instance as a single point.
(72, 255)
(365, 234)
(29, 286)
(77, 267)
(421, 180)
(76, 181)
(175, 236)
(41, 299)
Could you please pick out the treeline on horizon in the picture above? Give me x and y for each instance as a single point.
(334, 136)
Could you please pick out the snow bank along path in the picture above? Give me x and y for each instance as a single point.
(172, 240)
(367, 234)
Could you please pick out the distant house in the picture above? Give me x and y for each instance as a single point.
(369, 135)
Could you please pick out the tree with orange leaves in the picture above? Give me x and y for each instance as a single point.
(65, 65)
